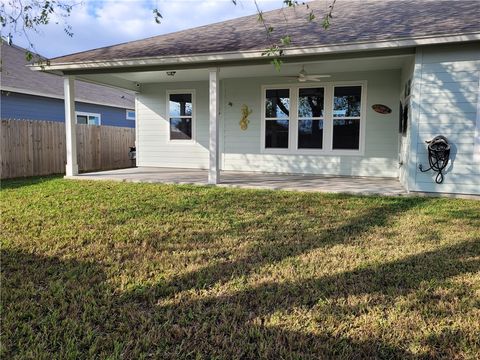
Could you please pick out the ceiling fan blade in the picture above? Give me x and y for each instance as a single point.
(318, 76)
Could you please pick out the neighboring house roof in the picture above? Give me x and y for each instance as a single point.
(17, 77)
(354, 22)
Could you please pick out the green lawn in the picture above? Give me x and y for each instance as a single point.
(113, 270)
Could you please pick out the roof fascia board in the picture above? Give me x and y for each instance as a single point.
(53, 96)
(262, 61)
(249, 55)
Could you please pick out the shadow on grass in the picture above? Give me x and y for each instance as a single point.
(70, 309)
(23, 182)
(49, 305)
(275, 249)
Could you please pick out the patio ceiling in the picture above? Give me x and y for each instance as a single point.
(132, 78)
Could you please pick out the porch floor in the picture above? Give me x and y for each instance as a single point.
(333, 184)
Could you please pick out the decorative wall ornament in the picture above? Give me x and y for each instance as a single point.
(245, 114)
(381, 109)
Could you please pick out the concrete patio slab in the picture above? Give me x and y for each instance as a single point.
(311, 183)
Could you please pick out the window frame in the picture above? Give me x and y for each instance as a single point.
(323, 118)
(362, 117)
(193, 117)
(327, 142)
(88, 114)
(129, 117)
(265, 119)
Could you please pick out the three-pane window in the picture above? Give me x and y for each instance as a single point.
(313, 120)
(180, 111)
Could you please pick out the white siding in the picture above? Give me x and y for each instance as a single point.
(154, 147)
(448, 83)
(242, 149)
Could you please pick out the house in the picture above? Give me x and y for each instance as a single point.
(31, 95)
(389, 76)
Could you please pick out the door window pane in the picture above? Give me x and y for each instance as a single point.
(277, 103)
(180, 128)
(180, 105)
(310, 134)
(310, 102)
(276, 134)
(346, 134)
(346, 101)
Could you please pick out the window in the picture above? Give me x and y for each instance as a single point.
(310, 118)
(326, 118)
(88, 118)
(130, 114)
(180, 113)
(346, 117)
(277, 114)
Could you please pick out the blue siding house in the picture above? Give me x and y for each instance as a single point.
(31, 95)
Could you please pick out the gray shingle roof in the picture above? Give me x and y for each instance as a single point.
(16, 75)
(354, 21)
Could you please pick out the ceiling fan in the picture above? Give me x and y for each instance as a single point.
(303, 76)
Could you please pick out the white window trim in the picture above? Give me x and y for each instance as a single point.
(327, 119)
(129, 117)
(194, 122)
(81, 113)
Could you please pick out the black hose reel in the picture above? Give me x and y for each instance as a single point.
(438, 156)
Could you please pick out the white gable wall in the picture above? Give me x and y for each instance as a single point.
(448, 84)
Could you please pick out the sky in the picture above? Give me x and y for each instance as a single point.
(98, 23)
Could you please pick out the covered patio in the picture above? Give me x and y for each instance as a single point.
(358, 108)
(251, 180)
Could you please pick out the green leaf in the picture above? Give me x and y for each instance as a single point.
(286, 40)
(157, 16)
(260, 16)
(326, 22)
(277, 63)
(290, 3)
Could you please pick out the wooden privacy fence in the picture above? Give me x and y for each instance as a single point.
(32, 148)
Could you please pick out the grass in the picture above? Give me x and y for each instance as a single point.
(133, 271)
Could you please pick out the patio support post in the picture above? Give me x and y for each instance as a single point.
(213, 170)
(70, 127)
